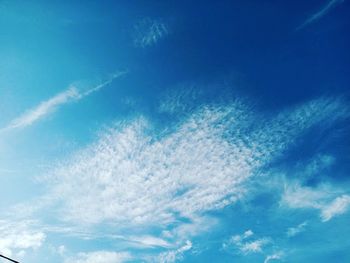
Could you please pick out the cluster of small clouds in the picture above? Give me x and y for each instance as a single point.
(149, 32)
(104, 256)
(19, 237)
(246, 244)
(176, 255)
(134, 175)
(329, 201)
(129, 177)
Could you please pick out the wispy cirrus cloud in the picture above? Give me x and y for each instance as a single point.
(43, 109)
(275, 256)
(100, 257)
(319, 14)
(246, 243)
(338, 206)
(174, 255)
(49, 106)
(149, 241)
(329, 201)
(149, 32)
(293, 231)
(136, 177)
(128, 176)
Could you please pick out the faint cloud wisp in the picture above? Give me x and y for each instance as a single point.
(47, 107)
(149, 32)
(318, 15)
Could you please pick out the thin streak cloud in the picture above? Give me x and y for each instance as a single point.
(318, 15)
(49, 106)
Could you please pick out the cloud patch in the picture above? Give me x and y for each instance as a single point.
(161, 183)
(133, 175)
(246, 243)
(174, 255)
(149, 32)
(49, 106)
(19, 237)
(329, 201)
(100, 257)
(273, 257)
(338, 206)
(293, 231)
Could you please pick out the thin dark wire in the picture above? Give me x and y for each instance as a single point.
(8, 259)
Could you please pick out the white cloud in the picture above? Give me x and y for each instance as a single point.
(329, 201)
(180, 100)
(318, 15)
(150, 241)
(246, 243)
(337, 207)
(129, 176)
(297, 196)
(136, 178)
(254, 246)
(100, 257)
(47, 107)
(18, 237)
(148, 32)
(275, 256)
(293, 231)
(174, 255)
(43, 109)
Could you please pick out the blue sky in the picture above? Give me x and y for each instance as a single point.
(174, 131)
